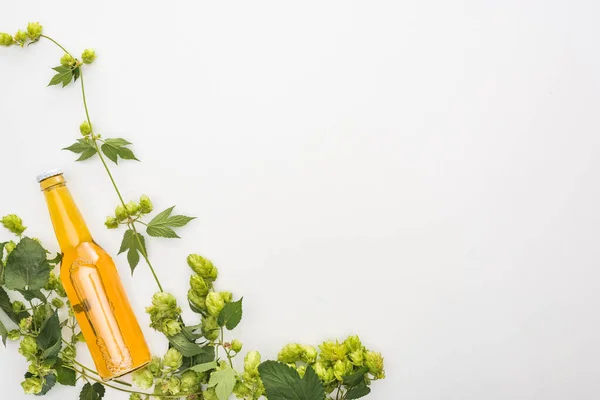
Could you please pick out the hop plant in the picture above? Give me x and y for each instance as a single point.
(32, 385)
(34, 31)
(203, 267)
(121, 213)
(143, 378)
(84, 128)
(132, 208)
(6, 39)
(173, 359)
(111, 223)
(164, 313)
(13, 223)
(88, 56)
(21, 38)
(67, 60)
(146, 205)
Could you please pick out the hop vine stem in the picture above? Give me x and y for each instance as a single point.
(107, 169)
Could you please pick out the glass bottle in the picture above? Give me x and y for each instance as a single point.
(93, 286)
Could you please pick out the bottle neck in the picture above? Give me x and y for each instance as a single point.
(69, 226)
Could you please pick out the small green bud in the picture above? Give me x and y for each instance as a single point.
(202, 266)
(111, 223)
(210, 327)
(88, 56)
(353, 343)
(170, 327)
(135, 396)
(196, 300)
(85, 128)
(214, 303)
(132, 208)
(309, 354)
(6, 39)
(32, 385)
(143, 378)
(39, 316)
(34, 30)
(199, 285)
(332, 351)
(342, 368)
(9, 247)
(120, 213)
(18, 307)
(251, 361)
(290, 353)
(13, 223)
(374, 361)
(155, 366)
(325, 374)
(210, 394)
(236, 345)
(174, 385)
(190, 382)
(21, 37)
(25, 324)
(67, 60)
(58, 303)
(240, 390)
(146, 205)
(69, 353)
(301, 370)
(164, 301)
(173, 358)
(357, 357)
(28, 348)
(14, 335)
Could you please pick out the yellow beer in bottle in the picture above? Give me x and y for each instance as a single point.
(93, 287)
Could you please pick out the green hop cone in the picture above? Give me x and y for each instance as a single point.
(353, 343)
(173, 358)
(332, 351)
(357, 357)
(202, 266)
(240, 390)
(200, 286)
(214, 303)
(21, 37)
(88, 56)
(309, 354)
(146, 205)
(342, 368)
(174, 385)
(25, 324)
(132, 208)
(135, 396)
(84, 128)
(190, 382)
(324, 373)
(28, 348)
(69, 353)
(236, 345)
(226, 296)
(67, 60)
(251, 361)
(18, 307)
(170, 327)
(301, 370)
(14, 335)
(196, 300)
(111, 223)
(210, 394)
(34, 30)
(165, 302)
(210, 327)
(39, 316)
(155, 366)
(32, 385)
(13, 223)
(6, 39)
(58, 303)
(120, 213)
(143, 378)
(374, 361)
(290, 353)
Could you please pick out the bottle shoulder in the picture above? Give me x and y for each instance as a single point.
(86, 251)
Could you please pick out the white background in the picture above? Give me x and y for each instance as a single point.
(422, 173)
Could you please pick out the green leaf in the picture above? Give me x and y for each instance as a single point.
(188, 331)
(27, 267)
(49, 339)
(283, 382)
(204, 367)
(355, 378)
(49, 382)
(6, 306)
(207, 355)
(161, 224)
(131, 243)
(231, 315)
(76, 74)
(185, 346)
(115, 148)
(358, 391)
(92, 392)
(3, 333)
(32, 294)
(223, 381)
(83, 146)
(64, 375)
(64, 75)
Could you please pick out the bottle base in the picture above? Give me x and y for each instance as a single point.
(124, 372)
